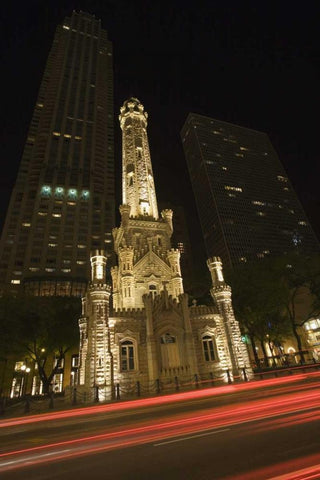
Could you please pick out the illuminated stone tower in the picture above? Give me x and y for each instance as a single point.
(147, 263)
(137, 178)
(152, 334)
(221, 293)
(95, 353)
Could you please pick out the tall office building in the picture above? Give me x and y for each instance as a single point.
(245, 201)
(62, 204)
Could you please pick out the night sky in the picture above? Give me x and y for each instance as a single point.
(250, 63)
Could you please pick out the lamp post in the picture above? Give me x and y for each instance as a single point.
(24, 380)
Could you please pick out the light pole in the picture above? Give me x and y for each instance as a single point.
(24, 380)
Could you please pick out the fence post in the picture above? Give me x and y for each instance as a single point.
(96, 393)
(2, 405)
(229, 377)
(27, 405)
(196, 379)
(245, 376)
(176, 381)
(158, 386)
(138, 388)
(117, 391)
(212, 378)
(74, 396)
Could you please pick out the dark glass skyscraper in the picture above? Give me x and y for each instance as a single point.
(62, 204)
(245, 201)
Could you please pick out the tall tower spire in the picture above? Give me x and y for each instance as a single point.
(138, 189)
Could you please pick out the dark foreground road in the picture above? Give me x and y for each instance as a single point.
(254, 431)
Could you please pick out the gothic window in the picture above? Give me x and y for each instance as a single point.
(208, 348)
(127, 356)
(153, 290)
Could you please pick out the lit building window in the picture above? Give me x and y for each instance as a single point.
(67, 135)
(56, 134)
(261, 214)
(26, 224)
(75, 361)
(235, 189)
(50, 270)
(66, 27)
(282, 179)
(242, 259)
(286, 189)
(239, 155)
(33, 269)
(78, 138)
(57, 215)
(59, 191)
(245, 149)
(181, 247)
(127, 356)
(302, 222)
(258, 202)
(52, 244)
(81, 262)
(40, 105)
(72, 193)
(224, 168)
(208, 348)
(65, 270)
(46, 191)
(85, 194)
(80, 245)
(15, 282)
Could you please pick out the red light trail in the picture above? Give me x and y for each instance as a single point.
(162, 400)
(302, 406)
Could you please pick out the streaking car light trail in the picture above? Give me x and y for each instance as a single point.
(186, 424)
(165, 399)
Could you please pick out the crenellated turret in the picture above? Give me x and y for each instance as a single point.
(173, 256)
(215, 267)
(221, 293)
(167, 215)
(98, 267)
(138, 189)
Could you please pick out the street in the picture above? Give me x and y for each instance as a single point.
(257, 430)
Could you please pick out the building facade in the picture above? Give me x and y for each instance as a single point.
(149, 333)
(245, 201)
(63, 200)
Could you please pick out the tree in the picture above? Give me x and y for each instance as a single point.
(300, 289)
(45, 327)
(256, 294)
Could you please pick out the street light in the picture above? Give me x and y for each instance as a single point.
(24, 379)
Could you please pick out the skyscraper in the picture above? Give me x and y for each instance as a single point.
(62, 204)
(245, 201)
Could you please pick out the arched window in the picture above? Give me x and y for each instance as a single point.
(127, 356)
(208, 348)
(153, 290)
